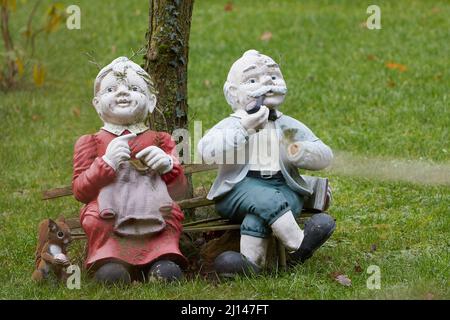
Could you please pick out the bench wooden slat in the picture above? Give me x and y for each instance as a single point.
(205, 225)
(78, 233)
(73, 223)
(212, 228)
(56, 193)
(193, 168)
(79, 236)
(75, 226)
(196, 202)
(67, 190)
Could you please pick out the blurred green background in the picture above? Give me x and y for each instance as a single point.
(342, 84)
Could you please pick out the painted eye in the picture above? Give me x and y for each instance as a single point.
(60, 234)
(252, 80)
(109, 89)
(274, 78)
(134, 88)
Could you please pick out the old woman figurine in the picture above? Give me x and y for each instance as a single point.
(127, 175)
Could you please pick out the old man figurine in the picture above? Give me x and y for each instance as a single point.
(259, 151)
(126, 175)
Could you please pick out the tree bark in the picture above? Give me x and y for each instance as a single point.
(166, 61)
(10, 65)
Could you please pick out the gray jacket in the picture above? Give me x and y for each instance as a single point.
(227, 141)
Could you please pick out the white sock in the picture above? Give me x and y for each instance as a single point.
(254, 249)
(287, 230)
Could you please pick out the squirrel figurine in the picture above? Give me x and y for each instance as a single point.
(51, 252)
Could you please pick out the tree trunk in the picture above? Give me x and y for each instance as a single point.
(166, 61)
(10, 71)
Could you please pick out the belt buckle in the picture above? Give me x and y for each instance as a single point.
(266, 174)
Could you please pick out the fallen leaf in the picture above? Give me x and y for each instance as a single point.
(373, 247)
(396, 66)
(358, 268)
(207, 83)
(76, 112)
(54, 17)
(20, 66)
(137, 12)
(372, 57)
(36, 117)
(266, 36)
(429, 296)
(10, 4)
(113, 49)
(38, 75)
(363, 24)
(27, 33)
(228, 6)
(435, 10)
(391, 84)
(342, 279)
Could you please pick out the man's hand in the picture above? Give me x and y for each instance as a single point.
(118, 150)
(156, 159)
(256, 120)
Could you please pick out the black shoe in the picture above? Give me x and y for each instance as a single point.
(230, 263)
(318, 229)
(165, 270)
(112, 273)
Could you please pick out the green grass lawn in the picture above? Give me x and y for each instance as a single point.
(339, 86)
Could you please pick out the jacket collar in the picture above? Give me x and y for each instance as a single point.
(118, 129)
(241, 113)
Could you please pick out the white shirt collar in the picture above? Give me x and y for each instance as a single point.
(119, 129)
(241, 113)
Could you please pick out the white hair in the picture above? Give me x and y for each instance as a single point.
(229, 83)
(119, 66)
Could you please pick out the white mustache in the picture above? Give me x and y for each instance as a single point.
(265, 89)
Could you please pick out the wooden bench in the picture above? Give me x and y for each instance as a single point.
(203, 225)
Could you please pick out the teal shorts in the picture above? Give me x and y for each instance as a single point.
(256, 203)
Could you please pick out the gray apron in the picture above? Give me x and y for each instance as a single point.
(138, 201)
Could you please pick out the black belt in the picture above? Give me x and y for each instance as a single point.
(264, 175)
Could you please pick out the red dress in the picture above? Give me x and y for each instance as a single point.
(91, 173)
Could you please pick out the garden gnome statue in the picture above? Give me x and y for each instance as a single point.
(127, 175)
(259, 151)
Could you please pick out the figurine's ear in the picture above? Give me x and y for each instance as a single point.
(52, 226)
(95, 102)
(61, 219)
(151, 102)
(232, 94)
(232, 89)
